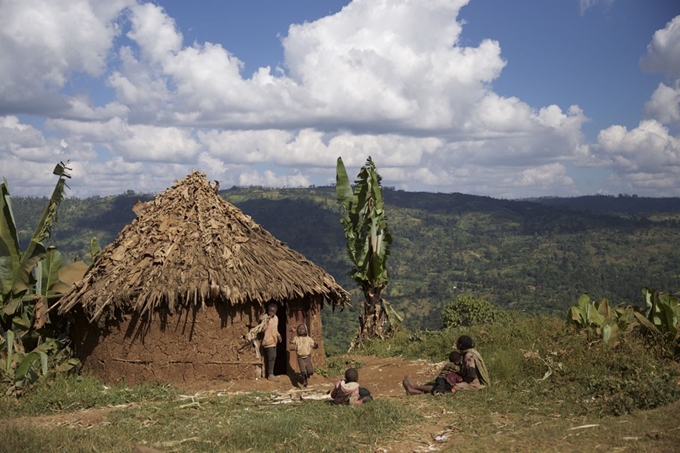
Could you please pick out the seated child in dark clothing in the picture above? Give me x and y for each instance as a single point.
(449, 376)
(347, 391)
(445, 382)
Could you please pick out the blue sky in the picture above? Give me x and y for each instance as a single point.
(506, 99)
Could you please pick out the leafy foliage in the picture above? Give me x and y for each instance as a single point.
(608, 323)
(28, 280)
(365, 225)
(470, 310)
(601, 319)
(663, 311)
(368, 244)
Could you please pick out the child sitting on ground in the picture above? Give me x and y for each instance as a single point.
(303, 348)
(348, 392)
(445, 382)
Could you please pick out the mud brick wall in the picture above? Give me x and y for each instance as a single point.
(193, 345)
(188, 346)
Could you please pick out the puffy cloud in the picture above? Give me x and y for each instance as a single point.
(506, 182)
(401, 55)
(385, 78)
(664, 105)
(310, 147)
(269, 178)
(649, 148)
(646, 158)
(663, 53)
(27, 143)
(45, 48)
(360, 68)
(154, 32)
(157, 144)
(136, 142)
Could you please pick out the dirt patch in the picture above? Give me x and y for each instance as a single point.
(86, 418)
(382, 376)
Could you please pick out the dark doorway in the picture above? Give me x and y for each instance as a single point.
(281, 365)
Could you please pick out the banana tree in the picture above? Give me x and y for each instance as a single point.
(28, 281)
(661, 316)
(368, 245)
(663, 311)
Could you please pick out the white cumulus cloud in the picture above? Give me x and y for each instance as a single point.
(387, 78)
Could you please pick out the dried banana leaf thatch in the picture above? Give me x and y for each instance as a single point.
(189, 245)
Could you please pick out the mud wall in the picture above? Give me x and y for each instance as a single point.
(203, 344)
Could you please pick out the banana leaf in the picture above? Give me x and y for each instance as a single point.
(22, 372)
(11, 307)
(9, 241)
(342, 185)
(36, 250)
(68, 275)
(51, 267)
(10, 350)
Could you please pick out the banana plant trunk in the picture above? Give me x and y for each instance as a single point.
(373, 321)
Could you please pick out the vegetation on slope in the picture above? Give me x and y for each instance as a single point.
(516, 254)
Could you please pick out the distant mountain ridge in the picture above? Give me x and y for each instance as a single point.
(624, 204)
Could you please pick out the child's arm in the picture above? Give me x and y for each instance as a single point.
(336, 389)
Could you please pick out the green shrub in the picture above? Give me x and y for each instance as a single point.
(470, 310)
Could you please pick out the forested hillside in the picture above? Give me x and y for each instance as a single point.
(525, 255)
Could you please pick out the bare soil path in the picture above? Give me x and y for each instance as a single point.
(382, 376)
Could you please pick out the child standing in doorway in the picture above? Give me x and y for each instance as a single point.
(303, 348)
(271, 338)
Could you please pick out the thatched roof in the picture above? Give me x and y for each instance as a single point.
(188, 245)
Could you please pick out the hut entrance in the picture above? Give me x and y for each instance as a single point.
(281, 365)
(290, 314)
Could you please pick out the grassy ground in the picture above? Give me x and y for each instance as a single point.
(552, 390)
(245, 423)
(488, 421)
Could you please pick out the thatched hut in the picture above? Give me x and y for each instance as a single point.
(174, 297)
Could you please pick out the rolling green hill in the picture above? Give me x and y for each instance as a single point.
(536, 256)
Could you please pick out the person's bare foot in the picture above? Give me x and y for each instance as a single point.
(407, 386)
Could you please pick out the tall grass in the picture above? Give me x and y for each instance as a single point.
(70, 393)
(538, 358)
